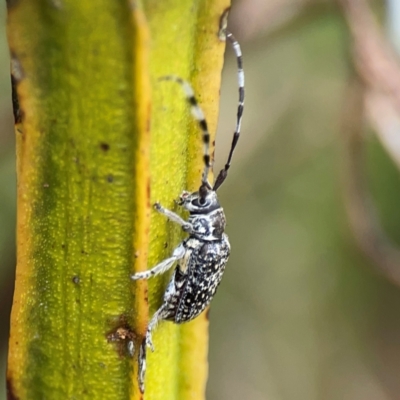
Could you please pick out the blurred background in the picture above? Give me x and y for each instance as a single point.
(310, 303)
(7, 198)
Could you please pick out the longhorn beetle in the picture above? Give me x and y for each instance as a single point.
(202, 257)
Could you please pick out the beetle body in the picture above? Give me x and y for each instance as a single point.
(199, 272)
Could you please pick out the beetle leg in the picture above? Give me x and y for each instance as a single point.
(187, 227)
(147, 342)
(163, 266)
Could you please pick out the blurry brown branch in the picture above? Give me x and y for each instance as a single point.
(272, 16)
(362, 214)
(376, 93)
(374, 59)
(378, 66)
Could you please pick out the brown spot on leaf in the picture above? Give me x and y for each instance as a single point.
(18, 113)
(104, 146)
(121, 334)
(148, 193)
(110, 178)
(10, 390)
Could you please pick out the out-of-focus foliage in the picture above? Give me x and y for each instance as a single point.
(300, 314)
(7, 198)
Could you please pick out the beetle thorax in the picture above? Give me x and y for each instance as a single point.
(206, 215)
(210, 226)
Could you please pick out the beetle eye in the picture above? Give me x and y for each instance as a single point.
(199, 202)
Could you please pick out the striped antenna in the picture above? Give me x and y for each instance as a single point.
(198, 114)
(236, 48)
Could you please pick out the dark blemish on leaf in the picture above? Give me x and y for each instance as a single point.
(104, 146)
(148, 193)
(121, 334)
(207, 314)
(18, 114)
(10, 390)
(76, 280)
(137, 253)
(165, 245)
(83, 252)
(110, 178)
(146, 296)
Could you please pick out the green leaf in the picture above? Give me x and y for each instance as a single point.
(94, 152)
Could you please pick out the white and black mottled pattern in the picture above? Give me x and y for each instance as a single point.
(201, 258)
(196, 279)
